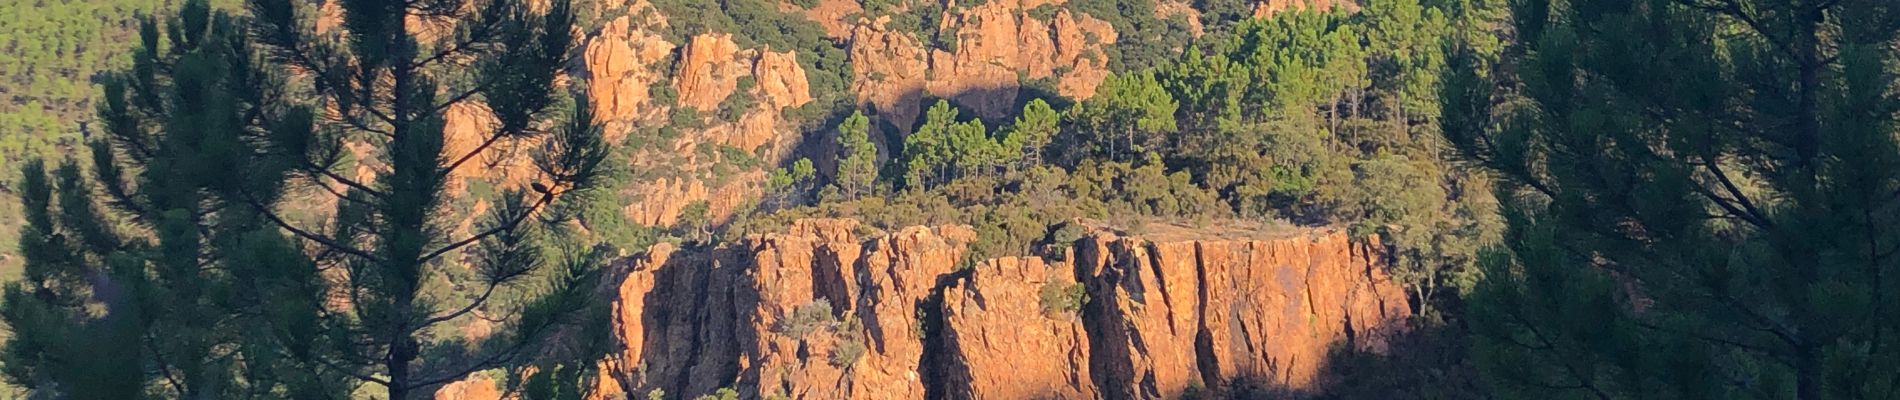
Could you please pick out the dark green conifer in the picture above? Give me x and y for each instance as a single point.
(385, 80)
(154, 277)
(1701, 200)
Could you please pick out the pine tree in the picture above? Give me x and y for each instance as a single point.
(857, 163)
(1125, 120)
(1702, 199)
(1031, 133)
(930, 152)
(788, 186)
(386, 82)
(191, 283)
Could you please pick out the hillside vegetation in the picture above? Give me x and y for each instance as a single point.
(49, 51)
(1598, 199)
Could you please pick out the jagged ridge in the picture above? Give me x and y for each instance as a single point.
(1162, 316)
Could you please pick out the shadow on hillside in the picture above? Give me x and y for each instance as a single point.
(1422, 361)
(818, 139)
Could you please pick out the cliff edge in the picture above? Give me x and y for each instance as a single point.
(821, 312)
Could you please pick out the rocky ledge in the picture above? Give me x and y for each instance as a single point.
(820, 312)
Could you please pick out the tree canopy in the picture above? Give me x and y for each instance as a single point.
(1698, 195)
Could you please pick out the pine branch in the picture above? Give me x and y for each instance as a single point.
(489, 362)
(164, 369)
(1760, 218)
(1571, 369)
(306, 235)
(346, 181)
(472, 304)
(545, 199)
(356, 122)
(345, 371)
(486, 143)
(482, 34)
(1773, 355)
(341, 195)
(1734, 9)
(460, 97)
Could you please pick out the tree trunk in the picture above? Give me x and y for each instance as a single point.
(1807, 372)
(1808, 364)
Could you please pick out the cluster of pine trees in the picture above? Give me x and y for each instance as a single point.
(1319, 117)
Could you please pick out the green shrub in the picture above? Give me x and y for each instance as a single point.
(807, 318)
(1044, 13)
(850, 346)
(847, 353)
(686, 118)
(737, 105)
(1063, 237)
(722, 394)
(1061, 300)
(663, 93)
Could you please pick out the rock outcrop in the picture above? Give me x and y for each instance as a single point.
(1003, 344)
(998, 45)
(623, 63)
(628, 59)
(908, 318)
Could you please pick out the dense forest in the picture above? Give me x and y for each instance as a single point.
(1589, 199)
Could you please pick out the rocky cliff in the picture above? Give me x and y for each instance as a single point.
(628, 62)
(998, 45)
(823, 312)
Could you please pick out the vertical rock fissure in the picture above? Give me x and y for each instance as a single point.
(1365, 250)
(938, 362)
(1306, 290)
(1204, 358)
(695, 341)
(1161, 283)
(1108, 358)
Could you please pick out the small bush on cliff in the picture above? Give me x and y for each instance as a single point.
(722, 394)
(736, 105)
(1062, 238)
(694, 222)
(807, 318)
(847, 353)
(1196, 390)
(850, 343)
(1061, 300)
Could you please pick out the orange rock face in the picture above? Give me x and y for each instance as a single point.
(998, 45)
(708, 71)
(906, 322)
(1001, 344)
(1226, 312)
(890, 67)
(627, 59)
(622, 63)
